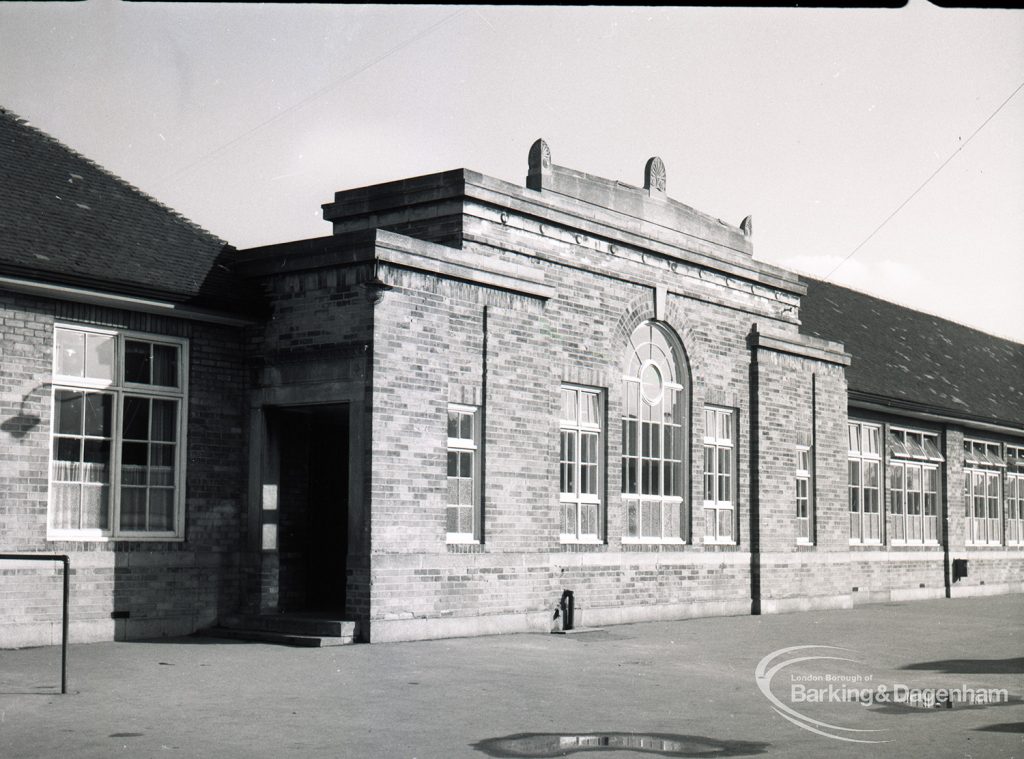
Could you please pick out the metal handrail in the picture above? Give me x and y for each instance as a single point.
(66, 561)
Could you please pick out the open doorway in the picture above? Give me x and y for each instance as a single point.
(313, 445)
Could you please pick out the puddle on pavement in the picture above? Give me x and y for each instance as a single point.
(926, 706)
(539, 745)
(125, 735)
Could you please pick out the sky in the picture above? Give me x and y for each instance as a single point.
(819, 123)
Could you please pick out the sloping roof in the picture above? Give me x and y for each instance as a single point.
(65, 220)
(917, 359)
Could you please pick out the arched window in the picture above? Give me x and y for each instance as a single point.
(653, 439)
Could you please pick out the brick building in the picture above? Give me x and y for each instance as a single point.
(470, 397)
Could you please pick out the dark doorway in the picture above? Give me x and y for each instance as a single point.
(314, 480)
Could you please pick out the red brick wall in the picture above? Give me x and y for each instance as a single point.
(434, 344)
(315, 347)
(799, 400)
(166, 587)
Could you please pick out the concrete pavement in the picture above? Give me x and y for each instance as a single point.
(657, 689)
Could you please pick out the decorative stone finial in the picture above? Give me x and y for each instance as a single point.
(540, 165)
(654, 175)
(540, 156)
(747, 225)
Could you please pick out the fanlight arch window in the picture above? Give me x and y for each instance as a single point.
(653, 440)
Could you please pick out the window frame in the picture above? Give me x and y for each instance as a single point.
(473, 447)
(119, 389)
(674, 379)
(720, 444)
(1013, 496)
(1013, 499)
(577, 429)
(982, 461)
(913, 453)
(804, 475)
(903, 492)
(1014, 457)
(863, 459)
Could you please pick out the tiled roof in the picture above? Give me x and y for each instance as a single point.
(65, 220)
(916, 359)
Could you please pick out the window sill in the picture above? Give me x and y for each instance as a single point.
(572, 540)
(873, 543)
(654, 541)
(77, 537)
(461, 540)
(914, 543)
(718, 542)
(805, 543)
(985, 545)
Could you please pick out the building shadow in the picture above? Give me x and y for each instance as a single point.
(35, 690)
(1004, 727)
(1013, 666)
(196, 639)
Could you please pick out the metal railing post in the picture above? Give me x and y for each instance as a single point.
(66, 561)
(64, 626)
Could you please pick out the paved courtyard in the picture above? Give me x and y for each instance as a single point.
(681, 689)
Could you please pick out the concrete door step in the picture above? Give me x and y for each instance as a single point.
(307, 630)
(578, 631)
(279, 638)
(293, 624)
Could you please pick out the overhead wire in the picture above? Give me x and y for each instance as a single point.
(924, 183)
(310, 98)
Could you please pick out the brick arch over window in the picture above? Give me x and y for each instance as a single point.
(641, 309)
(655, 434)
